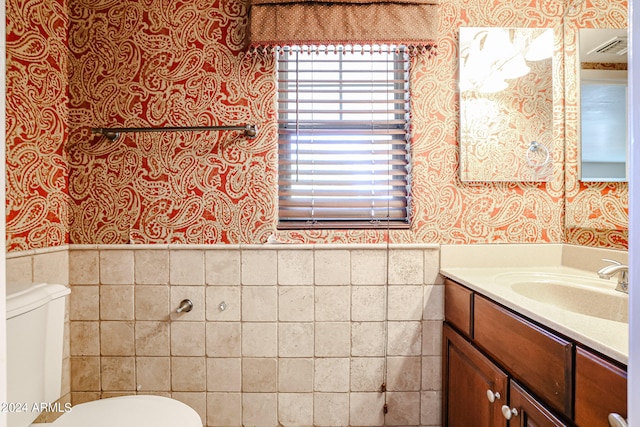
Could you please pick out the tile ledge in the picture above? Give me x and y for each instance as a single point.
(257, 246)
(38, 251)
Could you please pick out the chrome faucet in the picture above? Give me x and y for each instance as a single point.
(616, 268)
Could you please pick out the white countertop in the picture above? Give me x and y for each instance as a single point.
(608, 337)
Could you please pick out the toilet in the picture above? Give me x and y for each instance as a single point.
(35, 330)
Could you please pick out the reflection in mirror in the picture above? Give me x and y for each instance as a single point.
(506, 104)
(603, 104)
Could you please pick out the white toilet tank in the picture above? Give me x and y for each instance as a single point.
(35, 331)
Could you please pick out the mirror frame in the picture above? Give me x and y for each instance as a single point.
(612, 74)
(506, 104)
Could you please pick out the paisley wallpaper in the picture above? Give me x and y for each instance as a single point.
(151, 63)
(37, 201)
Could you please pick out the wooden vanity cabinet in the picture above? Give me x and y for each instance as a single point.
(468, 377)
(601, 389)
(477, 393)
(547, 379)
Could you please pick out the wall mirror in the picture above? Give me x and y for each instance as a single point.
(506, 104)
(603, 104)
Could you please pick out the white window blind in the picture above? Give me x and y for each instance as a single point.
(343, 137)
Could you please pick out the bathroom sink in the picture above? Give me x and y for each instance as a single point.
(590, 297)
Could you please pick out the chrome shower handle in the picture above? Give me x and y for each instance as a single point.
(185, 306)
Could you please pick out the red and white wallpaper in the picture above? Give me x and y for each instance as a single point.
(37, 201)
(152, 63)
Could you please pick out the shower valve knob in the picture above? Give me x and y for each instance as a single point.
(185, 306)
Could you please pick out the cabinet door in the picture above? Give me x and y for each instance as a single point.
(525, 411)
(601, 389)
(468, 378)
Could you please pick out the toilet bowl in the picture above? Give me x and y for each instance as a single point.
(129, 411)
(35, 330)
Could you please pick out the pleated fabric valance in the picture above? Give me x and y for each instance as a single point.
(275, 23)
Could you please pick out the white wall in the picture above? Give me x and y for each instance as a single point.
(634, 216)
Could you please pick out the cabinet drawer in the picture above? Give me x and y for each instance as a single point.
(458, 306)
(601, 389)
(535, 357)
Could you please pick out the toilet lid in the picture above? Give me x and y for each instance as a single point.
(131, 411)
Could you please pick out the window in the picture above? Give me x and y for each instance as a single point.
(343, 131)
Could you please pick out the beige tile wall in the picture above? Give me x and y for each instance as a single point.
(301, 340)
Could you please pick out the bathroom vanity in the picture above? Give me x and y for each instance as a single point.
(517, 358)
(499, 366)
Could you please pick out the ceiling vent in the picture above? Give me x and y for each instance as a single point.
(614, 46)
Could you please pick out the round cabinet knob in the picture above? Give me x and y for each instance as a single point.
(616, 420)
(509, 412)
(493, 396)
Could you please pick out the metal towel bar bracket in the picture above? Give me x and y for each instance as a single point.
(250, 131)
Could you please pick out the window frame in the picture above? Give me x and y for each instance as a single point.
(398, 197)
